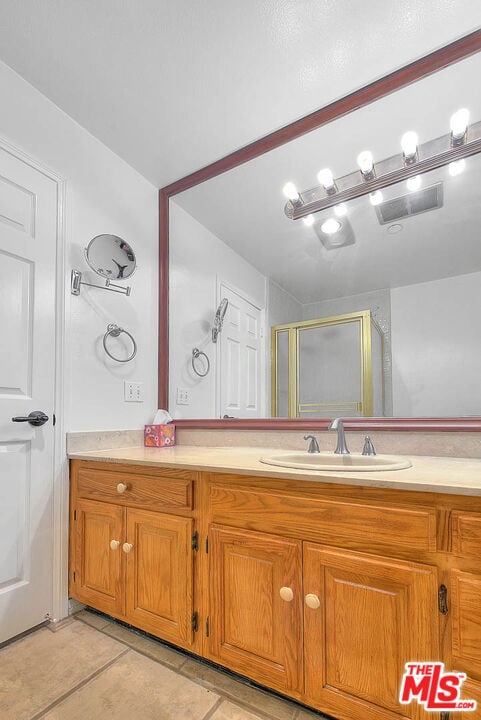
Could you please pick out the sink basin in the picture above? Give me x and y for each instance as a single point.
(337, 463)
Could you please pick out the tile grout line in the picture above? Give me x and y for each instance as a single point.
(214, 708)
(79, 685)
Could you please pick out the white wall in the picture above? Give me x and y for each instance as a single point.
(436, 344)
(104, 195)
(198, 261)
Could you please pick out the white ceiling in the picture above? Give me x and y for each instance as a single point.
(171, 86)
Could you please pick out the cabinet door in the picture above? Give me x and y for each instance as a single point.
(159, 574)
(99, 566)
(374, 615)
(465, 610)
(255, 609)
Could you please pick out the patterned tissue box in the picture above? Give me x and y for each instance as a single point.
(159, 435)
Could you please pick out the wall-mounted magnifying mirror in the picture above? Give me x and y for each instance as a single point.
(112, 258)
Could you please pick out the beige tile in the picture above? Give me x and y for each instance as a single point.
(136, 688)
(226, 685)
(151, 648)
(92, 619)
(229, 711)
(39, 668)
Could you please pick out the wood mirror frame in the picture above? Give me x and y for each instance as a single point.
(429, 64)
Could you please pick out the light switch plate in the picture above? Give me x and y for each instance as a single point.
(133, 391)
(183, 396)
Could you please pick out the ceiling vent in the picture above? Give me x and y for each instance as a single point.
(414, 203)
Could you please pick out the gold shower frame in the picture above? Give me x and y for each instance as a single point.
(365, 407)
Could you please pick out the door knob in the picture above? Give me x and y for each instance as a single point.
(127, 547)
(312, 601)
(114, 544)
(286, 594)
(121, 488)
(36, 418)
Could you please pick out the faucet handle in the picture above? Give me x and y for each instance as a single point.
(313, 445)
(368, 448)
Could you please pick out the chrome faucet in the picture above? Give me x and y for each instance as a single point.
(368, 448)
(341, 448)
(313, 445)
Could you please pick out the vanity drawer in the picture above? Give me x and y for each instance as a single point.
(154, 489)
(466, 533)
(335, 522)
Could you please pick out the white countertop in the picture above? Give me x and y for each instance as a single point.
(460, 476)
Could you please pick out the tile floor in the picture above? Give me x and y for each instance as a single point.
(92, 667)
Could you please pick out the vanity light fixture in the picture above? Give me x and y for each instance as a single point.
(290, 192)
(366, 165)
(376, 198)
(448, 149)
(308, 220)
(409, 145)
(414, 183)
(326, 179)
(459, 126)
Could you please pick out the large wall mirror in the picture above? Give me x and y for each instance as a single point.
(362, 307)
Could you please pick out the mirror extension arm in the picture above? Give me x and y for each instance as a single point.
(76, 281)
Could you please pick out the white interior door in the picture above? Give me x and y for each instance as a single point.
(28, 231)
(241, 364)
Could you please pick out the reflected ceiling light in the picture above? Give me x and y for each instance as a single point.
(409, 145)
(375, 198)
(395, 228)
(326, 179)
(330, 226)
(457, 167)
(308, 220)
(405, 166)
(459, 126)
(366, 164)
(340, 210)
(290, 192)
(414, 183)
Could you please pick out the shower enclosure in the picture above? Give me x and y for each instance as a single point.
(328, 367)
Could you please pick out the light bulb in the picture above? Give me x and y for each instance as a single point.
(456, 167)
(459, 123)
(330, 226)
(326, 178)
(340, 210)
(290, 192)
(308, 220)
(414, 183)
(375, 198)
(409, 144)
(365, 162)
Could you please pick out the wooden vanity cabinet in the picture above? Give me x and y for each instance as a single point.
(293, 609)
(129, 561)
(319, 591)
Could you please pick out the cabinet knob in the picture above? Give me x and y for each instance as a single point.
(312, 601)
(121, 488)
(127, 547)
(286, 594)
(114, 544)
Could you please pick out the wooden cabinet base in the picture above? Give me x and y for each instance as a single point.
(320, 592)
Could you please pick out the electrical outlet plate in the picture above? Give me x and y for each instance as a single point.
(183, 396)
(133, 391)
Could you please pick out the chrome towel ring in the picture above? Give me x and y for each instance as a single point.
(196, 353)
(114, 330)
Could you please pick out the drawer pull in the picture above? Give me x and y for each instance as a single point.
(114, 544)
(286, 594)
(121, 488)
(127, 547)
(312, 601)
